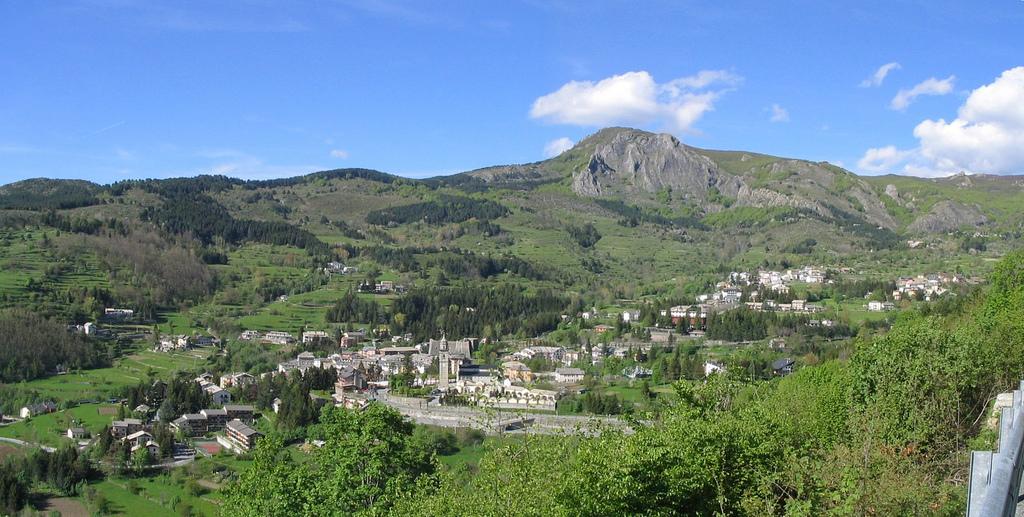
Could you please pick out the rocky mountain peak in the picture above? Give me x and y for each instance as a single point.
(624, 161)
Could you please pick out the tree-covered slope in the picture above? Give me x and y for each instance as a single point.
(885, 432)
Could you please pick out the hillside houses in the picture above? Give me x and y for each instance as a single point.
(123, 428)
(696, 316)
(713, 367)
(250, 335)
(275, 337)
(516, 371)
(115, 314)
(278, 338)
(239, 379)
(877, 306)
(239, 436)
(313, 336)
(218, 395)
(37, 409)
(796, 306)
(568, 375)
(925, 287)
(173, 343)
(382, 287)
(552, 354)
(211, 420)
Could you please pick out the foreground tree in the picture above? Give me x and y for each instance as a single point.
(370, 460)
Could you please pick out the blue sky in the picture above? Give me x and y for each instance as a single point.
(113, 89)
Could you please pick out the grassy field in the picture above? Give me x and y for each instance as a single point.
(470, 455)
(156, 497)
(26, 255)
(103, 383)
(50, 429)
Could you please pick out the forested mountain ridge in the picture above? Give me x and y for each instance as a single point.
(643, 168)
(624, 209)
(637, 165)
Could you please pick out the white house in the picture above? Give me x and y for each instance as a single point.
(711, 367)
(876, 306)
(236, 379)
(630, 316)
(278, 338)
(218, 395)
(42, 408)
(313, 336)
(568, 375)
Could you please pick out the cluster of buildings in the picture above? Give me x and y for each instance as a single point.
(877, 306)
(695, 316)
(779, 281)
(796, 306)
(91, 329)
(184, 342)
(218, 395)
(40, 408)
(275, 337)
(337, 268)
(212, 420)
(925, 286)
(133, 432)
(115, 314)
(234, 420)
(382, 287)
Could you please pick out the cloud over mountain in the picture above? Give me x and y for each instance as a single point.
(557, 147)
(635, 98)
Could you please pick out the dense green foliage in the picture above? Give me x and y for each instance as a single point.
(204, 218)
(351, 307)
(586, 236)
(63, 470)
(476, 311)
(47, 194)
(32, 346)
(466, 264)
(370, 461)
(633, 215)
(446, 209)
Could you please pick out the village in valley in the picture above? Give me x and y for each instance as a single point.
(598, 362)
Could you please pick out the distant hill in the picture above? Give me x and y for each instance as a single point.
(637, 165)
(42, 193)
(623, 206)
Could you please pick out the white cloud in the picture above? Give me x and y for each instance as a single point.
(987, 136)
(779, 114)
(239, 164)
(635, 98)
(557, 147)
(882, 159)
(879, 76)
(339, 153)
(930, 86)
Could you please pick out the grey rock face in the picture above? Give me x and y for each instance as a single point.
(633, 161)
(947, 216)
(765, 198)
(890, 190)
